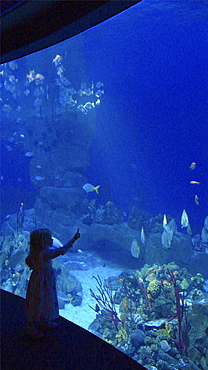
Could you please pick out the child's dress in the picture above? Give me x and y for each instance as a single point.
(41, 298)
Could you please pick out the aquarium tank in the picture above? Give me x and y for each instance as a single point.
(107, 132)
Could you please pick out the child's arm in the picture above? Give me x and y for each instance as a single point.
(69, 245)
(51, 253)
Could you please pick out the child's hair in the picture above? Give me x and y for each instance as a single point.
(37, 239)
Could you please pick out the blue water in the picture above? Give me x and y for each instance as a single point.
(152, 122)
(154, 116)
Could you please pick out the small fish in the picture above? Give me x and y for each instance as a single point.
(13, 80)
(184, 219)
(135, 249)
(87, 92)
(196, 199)
(38, 166)
(31, 76)
(9, 148)
(142, 236)
(192, 166)
(89, 188)
(29, 154)
(6, 108)
(57, 60)
(39, 178)
(99, 93)
(99, 84)
(82, 108)
(89, 105)
(97, 102)
(39, 79)
(195, 182)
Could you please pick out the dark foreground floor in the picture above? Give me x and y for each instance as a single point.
(68, 347)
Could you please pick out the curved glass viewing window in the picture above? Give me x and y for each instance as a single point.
(107, 132)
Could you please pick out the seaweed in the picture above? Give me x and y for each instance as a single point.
(105, 301)
(182, 323)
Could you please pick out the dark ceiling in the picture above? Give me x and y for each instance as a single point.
(31, 25)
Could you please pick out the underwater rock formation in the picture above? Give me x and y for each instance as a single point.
(59, 175)
(63, 208)
(136, 218)
(199, 263)
(107, 214)
(61, 200)
(180, 250)
(116, 241)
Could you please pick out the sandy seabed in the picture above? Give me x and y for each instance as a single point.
(83, 315)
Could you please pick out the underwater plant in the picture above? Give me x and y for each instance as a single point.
(105, 301)
(144, 292)
(182, 323)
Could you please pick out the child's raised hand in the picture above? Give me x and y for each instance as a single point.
(76, 236)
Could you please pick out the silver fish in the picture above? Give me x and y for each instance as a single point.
(184, 219)
(142, 236)
(99, 93)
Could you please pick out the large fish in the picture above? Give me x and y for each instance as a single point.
(135, 249)
(185, 222)
(89, 188)
(142, 236)
(184, 219)
(166, 239)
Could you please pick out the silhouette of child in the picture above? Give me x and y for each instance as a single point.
(41, 297)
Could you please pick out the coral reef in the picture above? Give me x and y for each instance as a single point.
(107, 214)
(150, 314)
(14, 273)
